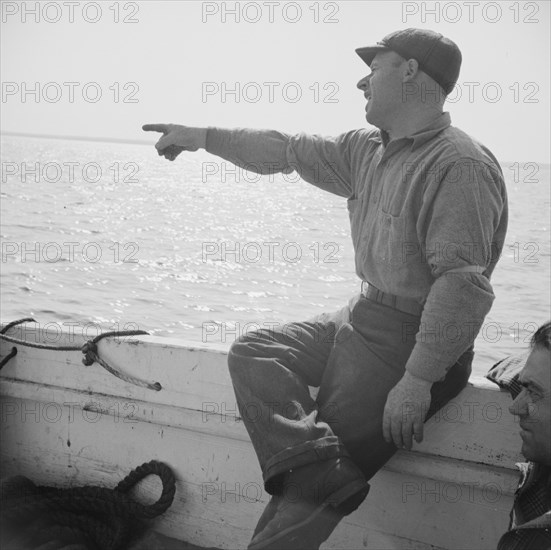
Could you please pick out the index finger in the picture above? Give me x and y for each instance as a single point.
(418, 430)
(156, 128)
(396, 432)
(407, 427)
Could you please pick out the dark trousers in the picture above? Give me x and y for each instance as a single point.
(355, 356)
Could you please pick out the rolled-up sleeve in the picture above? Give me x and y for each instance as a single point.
(463, 213)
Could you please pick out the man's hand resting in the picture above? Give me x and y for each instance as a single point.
(177, 138)
(406, 406)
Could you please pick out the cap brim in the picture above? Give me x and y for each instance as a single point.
(369, 52)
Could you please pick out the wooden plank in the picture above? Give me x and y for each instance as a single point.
(54, 402)
(475, 426)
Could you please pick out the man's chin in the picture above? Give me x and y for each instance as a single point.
(525, 447)
(371, 119)
(533, 453)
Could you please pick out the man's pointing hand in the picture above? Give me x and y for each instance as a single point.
(177, 138)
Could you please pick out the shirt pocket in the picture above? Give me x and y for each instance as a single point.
(391, 245)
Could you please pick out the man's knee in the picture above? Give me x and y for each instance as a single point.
(245, 346)
(236, 352)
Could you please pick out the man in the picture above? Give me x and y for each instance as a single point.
(530, 525)
(428, 213)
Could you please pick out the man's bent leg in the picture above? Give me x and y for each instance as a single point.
(271, 371)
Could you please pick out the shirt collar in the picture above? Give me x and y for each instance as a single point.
(421, 137)
(430, 131)
(533, 473)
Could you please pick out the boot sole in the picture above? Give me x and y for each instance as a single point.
(339, 504)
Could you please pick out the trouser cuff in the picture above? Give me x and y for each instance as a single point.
(306, 453)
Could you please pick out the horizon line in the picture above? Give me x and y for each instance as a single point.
(77, 138)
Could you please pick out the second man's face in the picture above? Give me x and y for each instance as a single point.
(533, 406)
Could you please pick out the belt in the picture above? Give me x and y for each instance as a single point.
(406, 305)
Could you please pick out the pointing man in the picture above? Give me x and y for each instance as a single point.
(428, 214)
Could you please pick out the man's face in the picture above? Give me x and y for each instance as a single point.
(533, 406)
(383, 89)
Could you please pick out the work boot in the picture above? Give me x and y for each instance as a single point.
(267, 514)
(313, 501)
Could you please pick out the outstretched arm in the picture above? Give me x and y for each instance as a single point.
(324, 162)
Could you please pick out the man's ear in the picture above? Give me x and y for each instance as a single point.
(412, 68)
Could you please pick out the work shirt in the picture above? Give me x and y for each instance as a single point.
(530, 525)
(419, 207)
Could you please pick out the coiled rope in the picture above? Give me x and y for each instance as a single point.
(89, 349)
(100, 518)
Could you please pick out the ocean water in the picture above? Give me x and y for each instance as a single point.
(100, 236)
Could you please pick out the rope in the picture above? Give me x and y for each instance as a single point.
(13, 351)
(11, 354)
(91, 356)
(37, 345)
(14, 323)
(106, 518)
(89, 349)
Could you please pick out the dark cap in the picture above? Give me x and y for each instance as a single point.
(437, 55)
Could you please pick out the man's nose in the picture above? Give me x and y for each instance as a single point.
(363, 83)
(519, 406)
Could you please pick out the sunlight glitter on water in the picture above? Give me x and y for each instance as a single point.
(170, 253)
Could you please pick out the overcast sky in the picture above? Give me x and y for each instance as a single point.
(292, 66)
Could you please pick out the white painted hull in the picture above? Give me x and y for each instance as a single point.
(64, 423)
